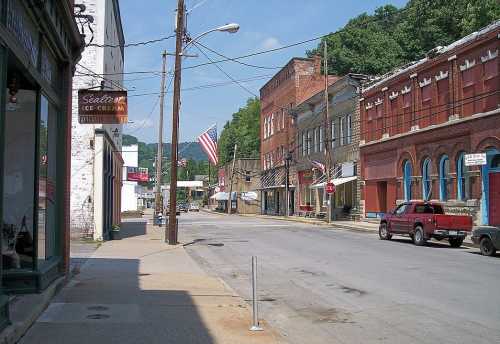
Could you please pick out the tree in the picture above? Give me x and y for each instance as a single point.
(243, 129)
(375, 44)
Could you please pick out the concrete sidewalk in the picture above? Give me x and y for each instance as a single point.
(141, 290)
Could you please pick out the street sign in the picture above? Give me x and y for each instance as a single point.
(475, 159)
(330, 188)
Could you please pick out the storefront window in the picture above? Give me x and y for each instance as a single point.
(444, 176)
(407, 171)
(18, 223)
(46, 180)
(426, 179)
(462, 179)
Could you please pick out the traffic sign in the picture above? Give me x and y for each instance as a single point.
(330, 188)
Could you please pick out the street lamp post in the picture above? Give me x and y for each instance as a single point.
(179, 52)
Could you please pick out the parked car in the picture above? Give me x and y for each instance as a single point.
(183, 207)
(194, 207)
(422, 221)
(488, 239)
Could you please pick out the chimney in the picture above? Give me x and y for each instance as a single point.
(317, 64)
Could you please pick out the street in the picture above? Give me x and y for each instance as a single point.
(319, 285)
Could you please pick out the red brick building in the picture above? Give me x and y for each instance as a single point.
(419, 123)
(298, 80)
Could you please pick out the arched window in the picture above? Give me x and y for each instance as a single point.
(407, 180)
(444, 176)
(426, 179)
(462, 178)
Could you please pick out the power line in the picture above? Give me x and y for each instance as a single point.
(136, 44)
(236, 61)
(213, 85)
(112, 82)
(224, 72)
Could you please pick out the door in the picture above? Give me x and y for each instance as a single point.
(494, 201)
(382, 196)
(399, 222)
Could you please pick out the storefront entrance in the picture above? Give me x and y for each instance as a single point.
(494, 189)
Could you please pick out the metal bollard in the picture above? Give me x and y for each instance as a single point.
(255, 326)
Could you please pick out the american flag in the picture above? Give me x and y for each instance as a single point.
(318, 165)
(208, 141)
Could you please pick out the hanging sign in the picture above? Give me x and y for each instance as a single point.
(102, 107)
(137, 174)
(475, 159)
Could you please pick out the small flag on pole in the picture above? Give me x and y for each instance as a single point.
(208, 141)
(318, 165)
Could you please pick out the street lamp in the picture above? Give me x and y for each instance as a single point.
(179, 50)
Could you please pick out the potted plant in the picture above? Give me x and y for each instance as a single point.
(115, 232)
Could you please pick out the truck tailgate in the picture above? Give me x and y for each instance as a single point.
(455, 222)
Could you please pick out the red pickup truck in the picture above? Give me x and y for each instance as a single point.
(423, 221)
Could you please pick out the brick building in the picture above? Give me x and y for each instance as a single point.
(298, 80)
(96, 148)
(420, 121)
(343, 124)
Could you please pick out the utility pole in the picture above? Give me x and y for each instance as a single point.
(172, 218)
(230, 200)
(159, 156)
(328, 142)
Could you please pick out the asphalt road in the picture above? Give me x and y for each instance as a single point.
(320, 285)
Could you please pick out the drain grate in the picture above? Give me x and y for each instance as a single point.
(98, 308)
(97, 316)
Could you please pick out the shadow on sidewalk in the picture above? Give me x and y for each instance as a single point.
(112, 301)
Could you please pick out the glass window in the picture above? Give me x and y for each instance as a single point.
(401, 209)
(407, 171)
(426, 179)
(334, 137)
(321, 138)
(309, 138)
(342, 131)
(444, 177)
(18, 223)
(349, 129)
(463, 184)
(46, 179)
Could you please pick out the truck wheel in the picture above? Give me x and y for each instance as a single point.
(486, 247)
(383, 233)
(456, 242)
(418, 236)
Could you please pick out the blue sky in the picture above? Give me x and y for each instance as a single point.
(264, 25)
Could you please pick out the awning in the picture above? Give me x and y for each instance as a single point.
(223, 196)
(336, 182)
(275, 187)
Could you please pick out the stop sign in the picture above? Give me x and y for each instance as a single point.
(330, 188)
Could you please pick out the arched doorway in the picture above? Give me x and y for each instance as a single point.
(491, 188)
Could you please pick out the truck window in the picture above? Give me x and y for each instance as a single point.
(438, 209)
(428, 209)
(401, 209)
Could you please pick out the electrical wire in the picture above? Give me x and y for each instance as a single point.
(112, 82)
(136, 44)
(225, 73)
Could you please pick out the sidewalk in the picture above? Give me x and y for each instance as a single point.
(141, 290)
(358, 226)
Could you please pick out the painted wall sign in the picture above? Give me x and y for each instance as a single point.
(106, 107)
(475, 159)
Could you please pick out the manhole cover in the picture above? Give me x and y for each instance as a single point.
(268, 299)
(144, 274)
(216, 244)
(97, 308)
(97, 316)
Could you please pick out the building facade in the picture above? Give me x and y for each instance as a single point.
(39, 46)
(130, 188)
(298, 80)
(310, 155)
(420, 122)
(96, 148)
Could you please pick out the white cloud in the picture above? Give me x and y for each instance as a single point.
(270, 43)
(140, 124)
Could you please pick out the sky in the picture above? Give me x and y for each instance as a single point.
(264, 24)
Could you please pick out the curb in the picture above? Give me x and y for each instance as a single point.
(16, 330)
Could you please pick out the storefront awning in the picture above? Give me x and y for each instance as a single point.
(275, 187)
(223, 196)
(249, 196)
(336, 182)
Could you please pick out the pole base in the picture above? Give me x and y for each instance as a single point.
(256, 328)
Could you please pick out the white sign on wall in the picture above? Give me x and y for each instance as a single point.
(475, 159)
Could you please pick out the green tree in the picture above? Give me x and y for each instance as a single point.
(375, 44)
(243, 129)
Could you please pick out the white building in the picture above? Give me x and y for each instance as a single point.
(130, 156)
(96, 163)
